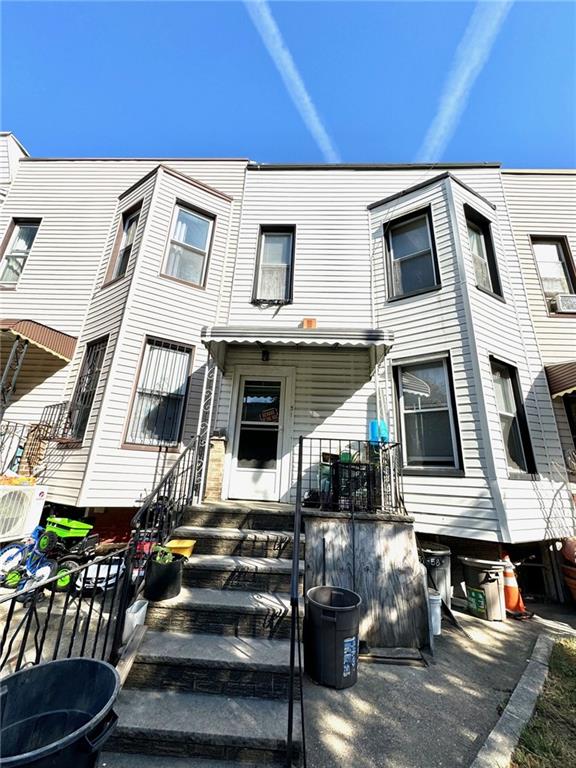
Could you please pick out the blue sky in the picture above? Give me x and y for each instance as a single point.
(197, 79)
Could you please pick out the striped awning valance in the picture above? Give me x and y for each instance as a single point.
(60, 344)
(561, 378)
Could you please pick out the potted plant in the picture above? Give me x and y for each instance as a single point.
(163, 574)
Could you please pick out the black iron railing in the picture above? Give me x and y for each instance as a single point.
(58, 421)
(351, 475)
(163, 509)
(85, 617)
(22, 447)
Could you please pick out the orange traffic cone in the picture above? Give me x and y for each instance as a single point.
(512, 597)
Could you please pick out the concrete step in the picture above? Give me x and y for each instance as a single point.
(216, 664)
(246, 515)
(127, 760)
(175, 724)
(236, 541)
(223, 612)
(269, 574)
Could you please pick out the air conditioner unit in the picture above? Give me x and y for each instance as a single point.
(20, 510)
(564, 302)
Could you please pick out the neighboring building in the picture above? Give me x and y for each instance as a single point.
(186, 283)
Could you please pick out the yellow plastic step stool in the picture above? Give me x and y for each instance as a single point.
(181, 546)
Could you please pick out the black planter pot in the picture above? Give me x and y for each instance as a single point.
(163, 580)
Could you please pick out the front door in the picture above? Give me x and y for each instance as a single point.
(258, 439)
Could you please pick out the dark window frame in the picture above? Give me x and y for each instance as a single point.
(203, 213)
(458, 470)
(100, 345)
(125, 217)
(128, 443)
(570, 416)
(425, 211)
(569, 261)
(17, 221)
(484, 224)
(523, 426)
(274, 229)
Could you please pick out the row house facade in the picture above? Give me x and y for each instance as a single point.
(159, 299)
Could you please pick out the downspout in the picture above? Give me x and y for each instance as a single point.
(491, 475)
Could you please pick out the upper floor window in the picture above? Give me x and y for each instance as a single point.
(189, 246)
(158, 407)
(482, 250)
(124, 244)
(556, 271)
(17, 250)
(513, 422)
(275, 266)
(412, 266)
(85, 391)
(428, 422)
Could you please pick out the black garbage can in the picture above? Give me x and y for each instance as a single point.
(331, 626)
(436, 558)
(58, 714)
(163, 580)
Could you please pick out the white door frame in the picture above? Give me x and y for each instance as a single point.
(287, 374)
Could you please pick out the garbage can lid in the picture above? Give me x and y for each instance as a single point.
(335, 598)
(482, 564)
(433, 548)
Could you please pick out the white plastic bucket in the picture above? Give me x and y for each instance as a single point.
(135, 617)
(435, 611)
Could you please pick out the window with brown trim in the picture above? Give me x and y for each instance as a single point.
(189, 245)
(85, 390)
(124, 244)
(158, 407)
(22, 234)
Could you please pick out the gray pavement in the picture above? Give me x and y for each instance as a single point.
(433, 717)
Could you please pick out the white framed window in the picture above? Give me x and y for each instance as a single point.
(513, 423)
(189, 246)
(17, 250)
(554, 266)
(160, 396)
(275, 266)
(412, 264)
(429, 433)
(129, 226)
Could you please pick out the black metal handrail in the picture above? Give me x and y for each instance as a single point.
(86, 619)
(162, 510)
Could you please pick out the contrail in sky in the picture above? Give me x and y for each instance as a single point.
(262, 18)
(471, 55)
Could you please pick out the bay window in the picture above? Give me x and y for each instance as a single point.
(189, 246)
(428, 423)
(482, 251)
(160, 397)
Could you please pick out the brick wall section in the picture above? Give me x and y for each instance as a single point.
(215, 472)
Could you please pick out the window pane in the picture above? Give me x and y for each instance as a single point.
(513, 443)
(428, 439)
(506, 402)
(413, 274)
(504, 390)
(130, 230)
(476, 241)
(482, 273)
(192, 229)
(274, 282)
(552, 268)
(185, 264)
(277, 248)
(12, 268)
(410, 237)
(261, 401)
(159, 401)
(17, 252)
(258, 448)
(424, 386)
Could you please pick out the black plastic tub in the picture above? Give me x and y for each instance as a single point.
(163, 580)
(58, 714)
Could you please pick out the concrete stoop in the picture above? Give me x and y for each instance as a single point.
(209, 685)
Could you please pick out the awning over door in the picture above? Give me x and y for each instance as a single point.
(55, 342)
(561, 378)
(217, 338)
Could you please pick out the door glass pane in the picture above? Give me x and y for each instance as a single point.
(258, 447)
(261, 402)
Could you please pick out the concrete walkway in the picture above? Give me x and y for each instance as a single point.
(433, 717)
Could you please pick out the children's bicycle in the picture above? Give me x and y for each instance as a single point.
(22, 565)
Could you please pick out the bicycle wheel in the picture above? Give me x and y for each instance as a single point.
(42, 572)
(13, 579)
(11, 557)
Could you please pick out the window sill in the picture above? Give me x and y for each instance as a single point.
(422, 292)
(432, 472)
(114, 281)
(270, 302)
(150, 448)
(8, 286)
(534, 476)
(561, 315)
(496, 296)
(189, 283)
